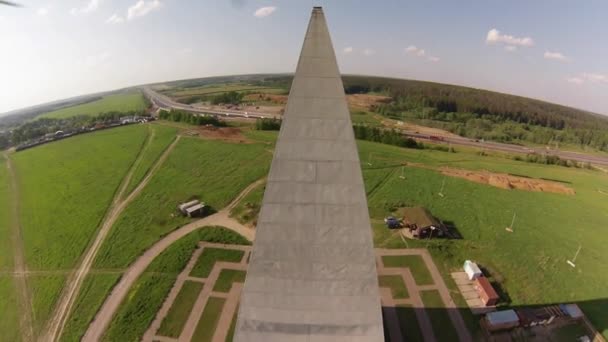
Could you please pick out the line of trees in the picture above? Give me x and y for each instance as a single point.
(389, 137)
(186, 117)
(265, 124)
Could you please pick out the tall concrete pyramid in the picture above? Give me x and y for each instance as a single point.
(312, 274)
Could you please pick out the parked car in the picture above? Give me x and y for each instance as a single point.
(392, 222)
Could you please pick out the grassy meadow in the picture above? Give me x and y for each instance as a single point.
(124, 102)
(176, 318)
(212, 171)
(9, 315)
(89, 300)
(162, 137)
(69, 185)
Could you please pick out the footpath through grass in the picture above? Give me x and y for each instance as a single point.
(211, 171)
(208, 323)
(176, 318)
(210, 256)
(162, 138)
(124, 102)
(414, 263)
(147, 295)
(90, 298)
(440, 320)
(396, 284)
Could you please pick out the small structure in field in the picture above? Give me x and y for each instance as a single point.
(472, 270)
(501, 320)
(421, 223)
(192, 208)
(487, 294)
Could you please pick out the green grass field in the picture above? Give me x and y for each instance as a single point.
(6, 246)
(414, 263)
(44, 290)
(210, 256)
(162, 138)
(177, 316)
(212, 171)
(230, 335)
(211, 315)
(226, 278)
(90, 298)
(529, 262)
(396, 284)
(146, 296)
(69, 185)
(9, 315)
(125, 102)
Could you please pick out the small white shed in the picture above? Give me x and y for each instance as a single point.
(472, 270)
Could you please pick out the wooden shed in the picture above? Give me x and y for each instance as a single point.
(487, 294)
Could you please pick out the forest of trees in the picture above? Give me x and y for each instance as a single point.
(483, 114)
(186, 117)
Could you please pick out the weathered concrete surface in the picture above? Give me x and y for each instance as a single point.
(312, 274)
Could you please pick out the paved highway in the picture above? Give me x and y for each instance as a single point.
(163, 101)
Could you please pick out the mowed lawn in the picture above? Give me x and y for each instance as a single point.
(124, 102)
(212, 171)
(65, 189)
(529, 263)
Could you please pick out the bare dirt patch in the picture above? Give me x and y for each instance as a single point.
(365, 101)
(264, 97)
(506, 181)
(413, 128)
(230, 134)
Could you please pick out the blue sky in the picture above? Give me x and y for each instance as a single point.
(552, 50)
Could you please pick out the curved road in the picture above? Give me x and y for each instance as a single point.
(112, 302)
(163, 101)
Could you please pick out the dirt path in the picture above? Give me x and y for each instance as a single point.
(20, 278)
(112, 302)
(72, 288)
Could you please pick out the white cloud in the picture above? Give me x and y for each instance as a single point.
(115, 19)
(575, 80)
(91, 6)
(494, 36)
(412, 49)
(185, 51)
(555, 55)
(368, 52)
(593, 77)
(510, 48)
(588, 77)
(142, 7)
(348, 49)
(42, 11)
(264, 11)
(420, 52)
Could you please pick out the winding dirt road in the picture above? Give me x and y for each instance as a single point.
(112, 302)
(57, 323)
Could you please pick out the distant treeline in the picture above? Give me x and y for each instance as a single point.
(484, 114)
(182, 116)
(32, 130)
